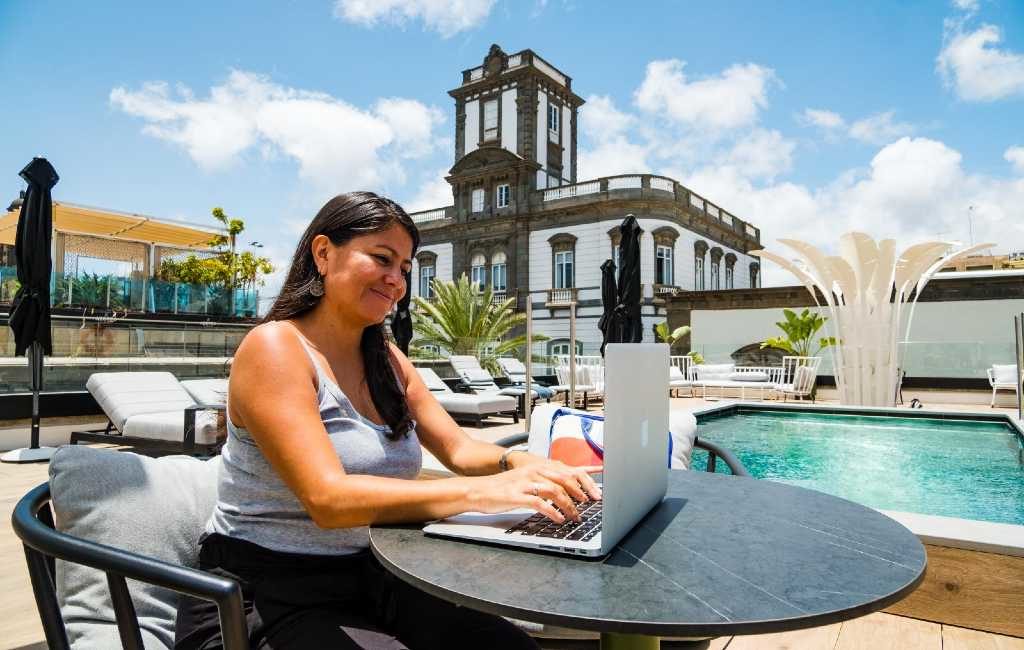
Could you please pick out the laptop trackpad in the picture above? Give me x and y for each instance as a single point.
(469, 523)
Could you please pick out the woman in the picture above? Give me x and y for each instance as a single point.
(325, 421)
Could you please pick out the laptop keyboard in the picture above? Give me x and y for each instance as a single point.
(583, 530)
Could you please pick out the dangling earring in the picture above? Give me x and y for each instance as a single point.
(316, 289)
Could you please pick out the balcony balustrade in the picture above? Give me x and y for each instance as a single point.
(561, 297)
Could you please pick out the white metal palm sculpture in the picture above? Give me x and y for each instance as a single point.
(866, 290)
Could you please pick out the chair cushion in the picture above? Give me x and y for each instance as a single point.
(171, 426)
(124, 394)
(753, 375)
(476, 404)
(213, 392)
(547, 417)
(476, 375)
(433, 383)
(156, 507)
(714, 372)
(1004, 373)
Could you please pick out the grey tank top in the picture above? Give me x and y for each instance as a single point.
(254, 504)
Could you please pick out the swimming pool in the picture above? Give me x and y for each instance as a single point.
(950, 466)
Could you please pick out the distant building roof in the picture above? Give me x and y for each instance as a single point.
(81, 219)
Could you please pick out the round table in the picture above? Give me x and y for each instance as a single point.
(722, 555)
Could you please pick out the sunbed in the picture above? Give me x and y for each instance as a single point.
(468, 405)
(154, 410)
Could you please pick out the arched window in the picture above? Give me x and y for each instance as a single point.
(428, 264)
(730, 271)
(560, 348)
(664, 255)
(716, 262)
(499, 279)
(755, 270)
(478, 270)
(700, 249)
(563, 254)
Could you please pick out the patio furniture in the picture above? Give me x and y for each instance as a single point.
(584, 383)
(468, 405)
(677, 381)
(726, 376)
(800, 374)
(515, 370)
(1003, 377)
(721, 555)
(682, 432)
(481, 382)
(153, 410)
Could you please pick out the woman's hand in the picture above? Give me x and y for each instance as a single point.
(547, 486)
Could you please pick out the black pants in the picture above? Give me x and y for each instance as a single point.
(311, 601)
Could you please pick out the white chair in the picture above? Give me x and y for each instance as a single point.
(677, 381)
(799, 375)
(1003, 376)
(471, 405)
(583, 386)
(154, 410)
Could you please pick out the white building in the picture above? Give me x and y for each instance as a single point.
(522, 223)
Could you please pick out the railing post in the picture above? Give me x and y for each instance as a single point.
(645, 181)
(604, 184)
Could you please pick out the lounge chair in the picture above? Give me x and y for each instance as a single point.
(583, 383)
(481, 382)
(515, 370)
(727, 376)
(1003, 377)
(800, 374)
(468, 405)
(153, 410)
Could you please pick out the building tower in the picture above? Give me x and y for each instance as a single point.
(515, 132)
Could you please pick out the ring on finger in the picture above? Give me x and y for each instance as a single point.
(535, 490)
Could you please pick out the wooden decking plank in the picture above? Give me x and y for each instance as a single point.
(884, 631)
(959, 638)
(823, 637)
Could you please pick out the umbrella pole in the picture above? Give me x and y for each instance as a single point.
(527, 408)
(572, 354)
(36, 368)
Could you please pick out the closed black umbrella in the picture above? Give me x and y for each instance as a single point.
(609, 297)
(627, 308)
(30, 310)
(401, 323)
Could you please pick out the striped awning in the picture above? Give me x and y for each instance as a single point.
(71, 218)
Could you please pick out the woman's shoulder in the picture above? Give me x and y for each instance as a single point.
(267, 341)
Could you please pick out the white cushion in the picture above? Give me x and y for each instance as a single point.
(511, 366)
(753, 375)
(1004, 373)
(124, 394)
(682, 427)
(212, 392)
(433, 383)
(476, 375)
(156, 507)
(714, 371)
(171, 426)
(477, 404)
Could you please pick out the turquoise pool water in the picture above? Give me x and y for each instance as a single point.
(955, 468)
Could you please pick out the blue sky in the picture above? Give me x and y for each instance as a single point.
(888, 117)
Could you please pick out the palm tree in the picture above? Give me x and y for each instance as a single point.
(464, 318)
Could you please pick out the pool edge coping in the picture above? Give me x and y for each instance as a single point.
(953, 532)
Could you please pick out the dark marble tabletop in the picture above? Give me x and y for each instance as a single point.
(721, 555)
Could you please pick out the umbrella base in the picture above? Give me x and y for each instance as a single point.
(27, 455)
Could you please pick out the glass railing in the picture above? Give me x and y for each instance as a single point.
(945, 359)
(136, 293)
(84, 345)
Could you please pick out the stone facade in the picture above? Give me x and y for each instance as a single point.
(515, 191)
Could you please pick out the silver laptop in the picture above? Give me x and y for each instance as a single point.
(635, 476)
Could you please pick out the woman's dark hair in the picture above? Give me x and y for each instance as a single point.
(343, 218)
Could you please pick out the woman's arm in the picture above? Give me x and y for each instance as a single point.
(275, 399)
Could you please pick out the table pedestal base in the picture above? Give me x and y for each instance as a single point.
(611, 641)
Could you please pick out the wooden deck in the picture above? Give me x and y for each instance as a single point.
(20, 627)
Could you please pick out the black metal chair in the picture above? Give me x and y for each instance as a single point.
(33, 524)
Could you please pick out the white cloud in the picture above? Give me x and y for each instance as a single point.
(336, 145)
(727, 101)
(1015, 156)
(970, 6)
(602, 119)
(976, 69)
(822, 118)
(879, 128)
(762, 154)
(435, 192)
(446, 17)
